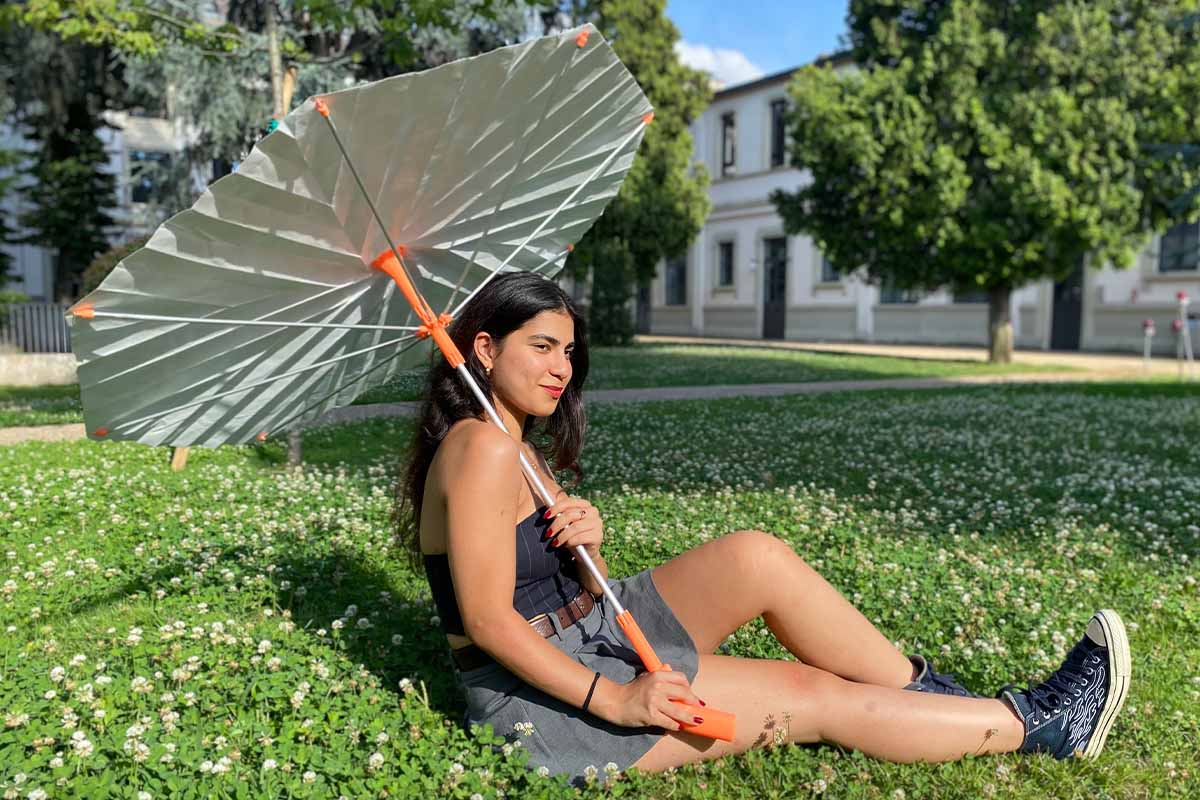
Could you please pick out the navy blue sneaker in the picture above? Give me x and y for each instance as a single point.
(1072, 712)
(934, 682)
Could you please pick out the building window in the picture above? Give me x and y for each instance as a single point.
(145, 168)
(725, 264)
(890, 294)
(728, 145)
(778, 132)
(676, 279)
(1179, 250)
(829, 273)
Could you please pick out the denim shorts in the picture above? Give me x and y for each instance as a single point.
(565, 739)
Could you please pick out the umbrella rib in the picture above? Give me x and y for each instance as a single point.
(220, 334)
(603, 166)
(248, 322)
(401, 351)
(256, 384)
(508, 183)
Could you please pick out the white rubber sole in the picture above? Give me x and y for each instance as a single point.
(1119, 669)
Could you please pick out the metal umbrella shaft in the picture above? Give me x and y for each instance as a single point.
(717, 724)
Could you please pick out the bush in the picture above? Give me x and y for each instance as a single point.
(104, 263)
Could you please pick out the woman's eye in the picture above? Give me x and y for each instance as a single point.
(545, 348)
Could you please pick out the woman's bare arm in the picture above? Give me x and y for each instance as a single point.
(481, 520)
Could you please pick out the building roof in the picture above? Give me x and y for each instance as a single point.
(837, 59)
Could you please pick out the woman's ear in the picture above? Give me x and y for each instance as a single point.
(485, 349)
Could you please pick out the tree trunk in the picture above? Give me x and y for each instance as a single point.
(276, 59)
(294, 448)
(1000, 332)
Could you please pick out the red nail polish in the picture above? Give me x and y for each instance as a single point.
(547, 514)
(698, 719)
(702, 702)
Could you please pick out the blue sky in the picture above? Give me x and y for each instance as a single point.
(740, 41)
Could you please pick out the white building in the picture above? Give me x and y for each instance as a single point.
(744, 277)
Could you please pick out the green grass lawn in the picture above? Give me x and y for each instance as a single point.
(240, 630)
(612, 368)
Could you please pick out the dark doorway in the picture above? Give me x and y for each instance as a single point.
(642, 322)
(774, 286)
(1067, 314)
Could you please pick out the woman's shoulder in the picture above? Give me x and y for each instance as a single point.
(479, 443)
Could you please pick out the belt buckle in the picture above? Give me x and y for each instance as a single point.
(541, 616)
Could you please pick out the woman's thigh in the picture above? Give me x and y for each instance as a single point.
(715, 588)
(773, 701)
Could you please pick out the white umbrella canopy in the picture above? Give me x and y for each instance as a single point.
(258, 309)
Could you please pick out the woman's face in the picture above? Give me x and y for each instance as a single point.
(532, 365)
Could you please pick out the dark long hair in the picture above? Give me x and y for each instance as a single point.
(503, 305)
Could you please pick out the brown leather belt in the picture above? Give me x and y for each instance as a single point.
(473, 656)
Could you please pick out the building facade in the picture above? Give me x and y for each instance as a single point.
(744, 277)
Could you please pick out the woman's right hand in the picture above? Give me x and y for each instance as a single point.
(646, 700)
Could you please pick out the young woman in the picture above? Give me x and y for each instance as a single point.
(536, 644)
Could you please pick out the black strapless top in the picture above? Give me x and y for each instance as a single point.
(547, 578)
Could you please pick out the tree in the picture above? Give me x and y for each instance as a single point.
(663, 202)
(10, 161)
(982, 145)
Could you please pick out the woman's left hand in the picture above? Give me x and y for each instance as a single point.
(576, 522)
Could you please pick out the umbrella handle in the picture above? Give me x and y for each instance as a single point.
(717, 724)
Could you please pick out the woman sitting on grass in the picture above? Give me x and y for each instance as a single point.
(538, 649)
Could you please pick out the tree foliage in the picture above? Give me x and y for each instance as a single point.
(664, 201)
(983, 145)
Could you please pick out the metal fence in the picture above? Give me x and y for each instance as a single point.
(36, 327)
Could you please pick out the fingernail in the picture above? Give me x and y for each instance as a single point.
(554, 542)
(702, 702)
(546, 515)
(698, 719)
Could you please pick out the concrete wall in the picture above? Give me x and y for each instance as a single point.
(37, 369)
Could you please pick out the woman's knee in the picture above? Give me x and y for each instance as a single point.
(756, 551)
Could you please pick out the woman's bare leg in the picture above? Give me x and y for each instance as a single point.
(808, 705)
(717, 587)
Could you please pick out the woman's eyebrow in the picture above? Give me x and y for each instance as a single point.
(548, 338)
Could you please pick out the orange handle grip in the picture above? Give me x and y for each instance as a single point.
(717, 724)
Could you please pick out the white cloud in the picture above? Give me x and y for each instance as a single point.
(726, 66)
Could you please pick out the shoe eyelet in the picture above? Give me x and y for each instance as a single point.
(1067, 701)
(1078, 693)
(1089, 671)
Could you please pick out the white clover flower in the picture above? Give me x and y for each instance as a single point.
(544, 771)
(375, 761)
(144, 796)
(382, 737)
(269, 764)
(611, 768)
(589, 772)
(36, 794)
(50, 694)
(397, 638)
(351, 610)
(57, 674)
(337, 624)
(406, 686)
(309, 776)
(206, 766)
(264, 646)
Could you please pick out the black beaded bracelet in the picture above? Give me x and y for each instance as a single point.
(588, 699)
